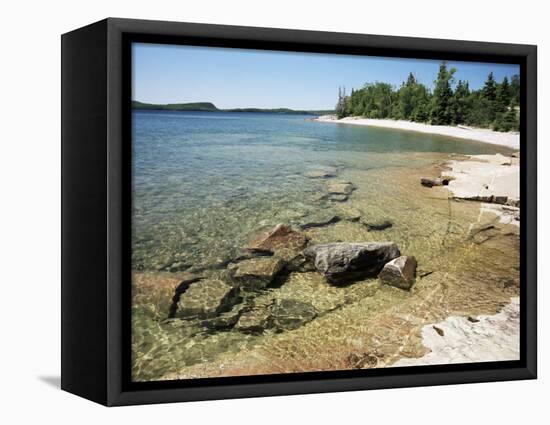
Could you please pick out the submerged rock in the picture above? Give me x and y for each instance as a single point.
(337, 198)
(349, 213)
(342, 261)
(341, 188)
(319, 197)
(178, 266)
(253, 321)
(378, 225)
(322, 174)
(281, 241)
(287, 314)
(319, 220)
(224, 320)
(482, 232)
(400, 272)
(256, 273)
(282, 315)
(207, 298)
(156, 290)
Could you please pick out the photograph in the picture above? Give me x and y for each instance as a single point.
(296, 212)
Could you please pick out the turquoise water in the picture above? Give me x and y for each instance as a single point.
(203, 181)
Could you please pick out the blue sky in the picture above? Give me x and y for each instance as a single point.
(232, 78)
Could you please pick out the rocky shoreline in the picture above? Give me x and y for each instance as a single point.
(492, 180)
(471, 339)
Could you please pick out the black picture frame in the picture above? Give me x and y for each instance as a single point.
(96, 153)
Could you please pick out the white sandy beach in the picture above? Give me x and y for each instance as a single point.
(510, 140)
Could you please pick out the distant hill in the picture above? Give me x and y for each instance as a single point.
(210, 107)
(198, 106)
(280, 111)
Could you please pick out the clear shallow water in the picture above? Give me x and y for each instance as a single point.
(204, 183)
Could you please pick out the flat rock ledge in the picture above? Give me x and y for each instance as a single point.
(471, 340)
(342, 262)
(400, 272)
(485, 178)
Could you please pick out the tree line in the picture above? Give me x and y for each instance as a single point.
(495, 105)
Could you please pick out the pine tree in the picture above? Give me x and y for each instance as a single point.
(503, 96)
(514, 90)
(489, 90)
(489, 96)
(406, 99)
(441, 113)
(461, 102)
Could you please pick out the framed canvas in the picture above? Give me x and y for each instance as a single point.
(254, 212)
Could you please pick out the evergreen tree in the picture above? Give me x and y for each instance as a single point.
(514, 90)
(489, 90)
(441, 112)
(503, 96)
(489, 98)
(461, 102)
(421, 112)
(507, 121)
(493, 106)
(406, 99)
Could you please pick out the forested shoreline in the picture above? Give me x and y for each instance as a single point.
(495, 105)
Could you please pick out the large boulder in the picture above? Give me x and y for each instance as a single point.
(256, 273)
(281, 241)
(287, 314)
(206, 299)
(400, 272)
(341, 262)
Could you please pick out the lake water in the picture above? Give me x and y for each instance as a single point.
(205, 183)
